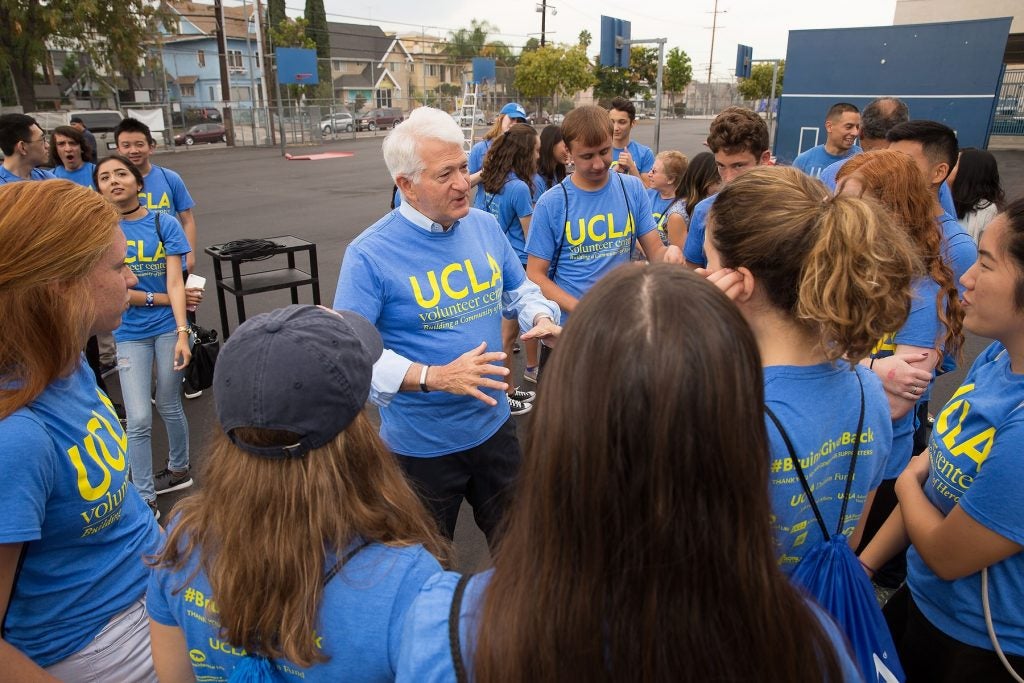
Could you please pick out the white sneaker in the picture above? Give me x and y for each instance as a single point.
(530, 375)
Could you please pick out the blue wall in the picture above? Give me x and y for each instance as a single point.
(946, 72)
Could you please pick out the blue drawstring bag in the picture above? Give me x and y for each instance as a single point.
(831, 573)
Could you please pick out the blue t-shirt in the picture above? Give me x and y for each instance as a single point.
(923, 328)
(147, 258)
(693, 248)
(509, 205)
(426, 655)
(362, 615)
(165, 191)
(828, 176)
(83, 176)
(642, 155)
(975, 453)
(433, 295)
(36, 174)
(594, 235)
(946, 199)
(476, 155)
(819, 406)
(816, 159)
(959, 250)
(67, 495)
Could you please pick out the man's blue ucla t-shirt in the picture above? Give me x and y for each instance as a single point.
(976, 462)
(164, 191)
(433, 296)
(67, 495)
(819, 407)
(642, 155)
(82, 176)
(693, 247)
(816, 159)
(593, 235)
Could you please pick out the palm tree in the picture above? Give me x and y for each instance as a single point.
(469, 43)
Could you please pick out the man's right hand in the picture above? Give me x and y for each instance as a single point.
(467, 374)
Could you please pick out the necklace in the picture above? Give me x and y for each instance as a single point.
(131, 211)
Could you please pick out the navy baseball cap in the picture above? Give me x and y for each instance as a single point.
(514, 110)
(302, 369)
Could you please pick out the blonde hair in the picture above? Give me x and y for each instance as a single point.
(836, 265)
(53, 233)
(263, 530)
(898, 184)
(675, 164)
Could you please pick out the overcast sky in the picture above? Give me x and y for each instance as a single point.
(762, 24)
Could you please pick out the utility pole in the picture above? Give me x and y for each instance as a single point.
(225, 78)
(711, 57)
(543, 20)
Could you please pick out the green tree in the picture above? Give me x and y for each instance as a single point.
(611, 82)
(531, 45)
(643, 66)
(678, 73)
(468, 43)
(275, 12)
(759, 85)
(316, 30)
(292, 33)
(551, 71)
(105, 38)
(585, 39)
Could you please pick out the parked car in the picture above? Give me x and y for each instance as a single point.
(557, 119)
(202, 132)
(537, 117)
(342, 121)
(382, 117)
(467, 121)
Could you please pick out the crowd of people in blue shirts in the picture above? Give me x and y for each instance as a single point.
(733, 363)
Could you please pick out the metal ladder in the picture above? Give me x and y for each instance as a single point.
(467, 114)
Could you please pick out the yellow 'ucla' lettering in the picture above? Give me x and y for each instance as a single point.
(978, 446)
(448, 287)
(146, 199)
(588, 229)
(102, 457)
(140, 252)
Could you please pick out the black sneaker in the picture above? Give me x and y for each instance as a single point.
(155, 510)
(167, 480)
(523, 396)
(519, 407)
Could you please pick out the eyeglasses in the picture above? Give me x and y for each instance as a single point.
(42, 139)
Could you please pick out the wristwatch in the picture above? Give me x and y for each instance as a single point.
(149, 299)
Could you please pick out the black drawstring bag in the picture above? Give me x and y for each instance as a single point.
(205, 347)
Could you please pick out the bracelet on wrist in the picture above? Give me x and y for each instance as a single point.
(149, 299)
(423, 379)
(181, 328)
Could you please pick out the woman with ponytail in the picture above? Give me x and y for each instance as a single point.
(298, 558)
(640, 547)
(819, 280)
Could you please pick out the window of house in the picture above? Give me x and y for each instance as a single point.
(188, 90)
(431, 69)
(235, 60)
(201, 57)
(383, 98)
(337, 65)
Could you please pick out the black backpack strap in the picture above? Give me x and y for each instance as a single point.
(853, 459)
(629, 215)
(453, 630)
(159, 233)
(343, 561)
(553, 264)
(799, 471)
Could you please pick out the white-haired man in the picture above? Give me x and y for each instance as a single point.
(435, 276)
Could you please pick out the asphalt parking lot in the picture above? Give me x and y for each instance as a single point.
(255, 193)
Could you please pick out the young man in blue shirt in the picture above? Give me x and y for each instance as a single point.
(628, 156)
(842, 126)
(24, 146)
(436, 278)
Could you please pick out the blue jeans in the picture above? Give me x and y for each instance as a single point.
(135, 364)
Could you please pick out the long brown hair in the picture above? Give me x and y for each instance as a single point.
(899, 186)
(53, 234)
(261, 528)
(513, 152)
(836, 266)
(701, 174)
(640, 546)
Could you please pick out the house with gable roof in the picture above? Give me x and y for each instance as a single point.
(369, 67)
(190, 55)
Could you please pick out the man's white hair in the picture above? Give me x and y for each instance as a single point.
(401, 146)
